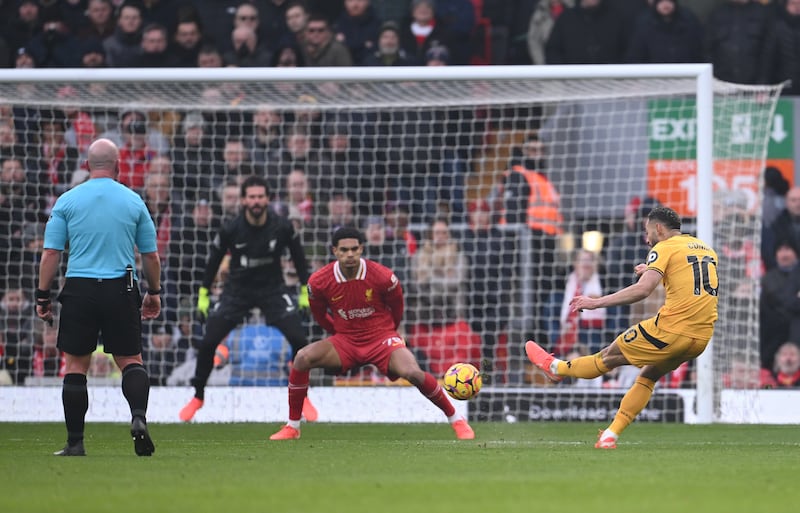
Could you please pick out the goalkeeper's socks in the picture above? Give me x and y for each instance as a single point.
(586, 367)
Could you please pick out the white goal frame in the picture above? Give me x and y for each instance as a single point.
(700, 73)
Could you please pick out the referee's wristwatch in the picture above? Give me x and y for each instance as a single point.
(154, 292)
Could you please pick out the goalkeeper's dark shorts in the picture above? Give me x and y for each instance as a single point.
(235, 304)
(277, 308)
(99, 308)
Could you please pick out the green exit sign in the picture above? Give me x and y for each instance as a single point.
(781, 134)
(738, 130)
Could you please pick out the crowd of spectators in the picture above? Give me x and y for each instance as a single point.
(382, 172)
(748, 41)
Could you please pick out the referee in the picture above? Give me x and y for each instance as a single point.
(102, 221)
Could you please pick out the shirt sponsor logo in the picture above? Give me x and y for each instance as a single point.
(254, 262)
(356, 313)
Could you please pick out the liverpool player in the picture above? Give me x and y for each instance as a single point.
(359, 302)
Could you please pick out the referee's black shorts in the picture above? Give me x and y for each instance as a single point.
(91, 308)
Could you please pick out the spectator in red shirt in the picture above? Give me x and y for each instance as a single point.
(786, 372)
(134, 155)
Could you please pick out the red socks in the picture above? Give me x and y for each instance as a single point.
(431, 389)
(298, 390)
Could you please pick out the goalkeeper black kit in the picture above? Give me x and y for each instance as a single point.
(255, 279)
(255, 254)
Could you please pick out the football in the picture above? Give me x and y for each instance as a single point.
(462, 381)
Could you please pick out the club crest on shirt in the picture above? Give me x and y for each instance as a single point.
(368, 295)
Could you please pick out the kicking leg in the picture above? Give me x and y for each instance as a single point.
(586, 367)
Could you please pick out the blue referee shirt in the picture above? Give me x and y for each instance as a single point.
(102, 220)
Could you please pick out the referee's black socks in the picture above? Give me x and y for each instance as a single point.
(75, 398)
(136, 388)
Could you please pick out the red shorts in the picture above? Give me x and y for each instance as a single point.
(376, 351)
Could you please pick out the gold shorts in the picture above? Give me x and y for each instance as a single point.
(647, 344)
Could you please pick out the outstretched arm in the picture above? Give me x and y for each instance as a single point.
(641, 289)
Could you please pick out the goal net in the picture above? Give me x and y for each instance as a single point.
(487, 190)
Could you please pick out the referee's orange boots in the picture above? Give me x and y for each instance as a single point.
(188, 411)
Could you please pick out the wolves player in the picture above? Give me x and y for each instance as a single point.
(256, 240)
(359, 302)
(679, 333)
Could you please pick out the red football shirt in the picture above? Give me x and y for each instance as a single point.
(369, 305)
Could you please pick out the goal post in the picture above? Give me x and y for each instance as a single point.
(399, 149)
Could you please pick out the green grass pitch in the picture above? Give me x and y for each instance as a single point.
(381, 468)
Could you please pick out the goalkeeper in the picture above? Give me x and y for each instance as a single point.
(256, 240)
